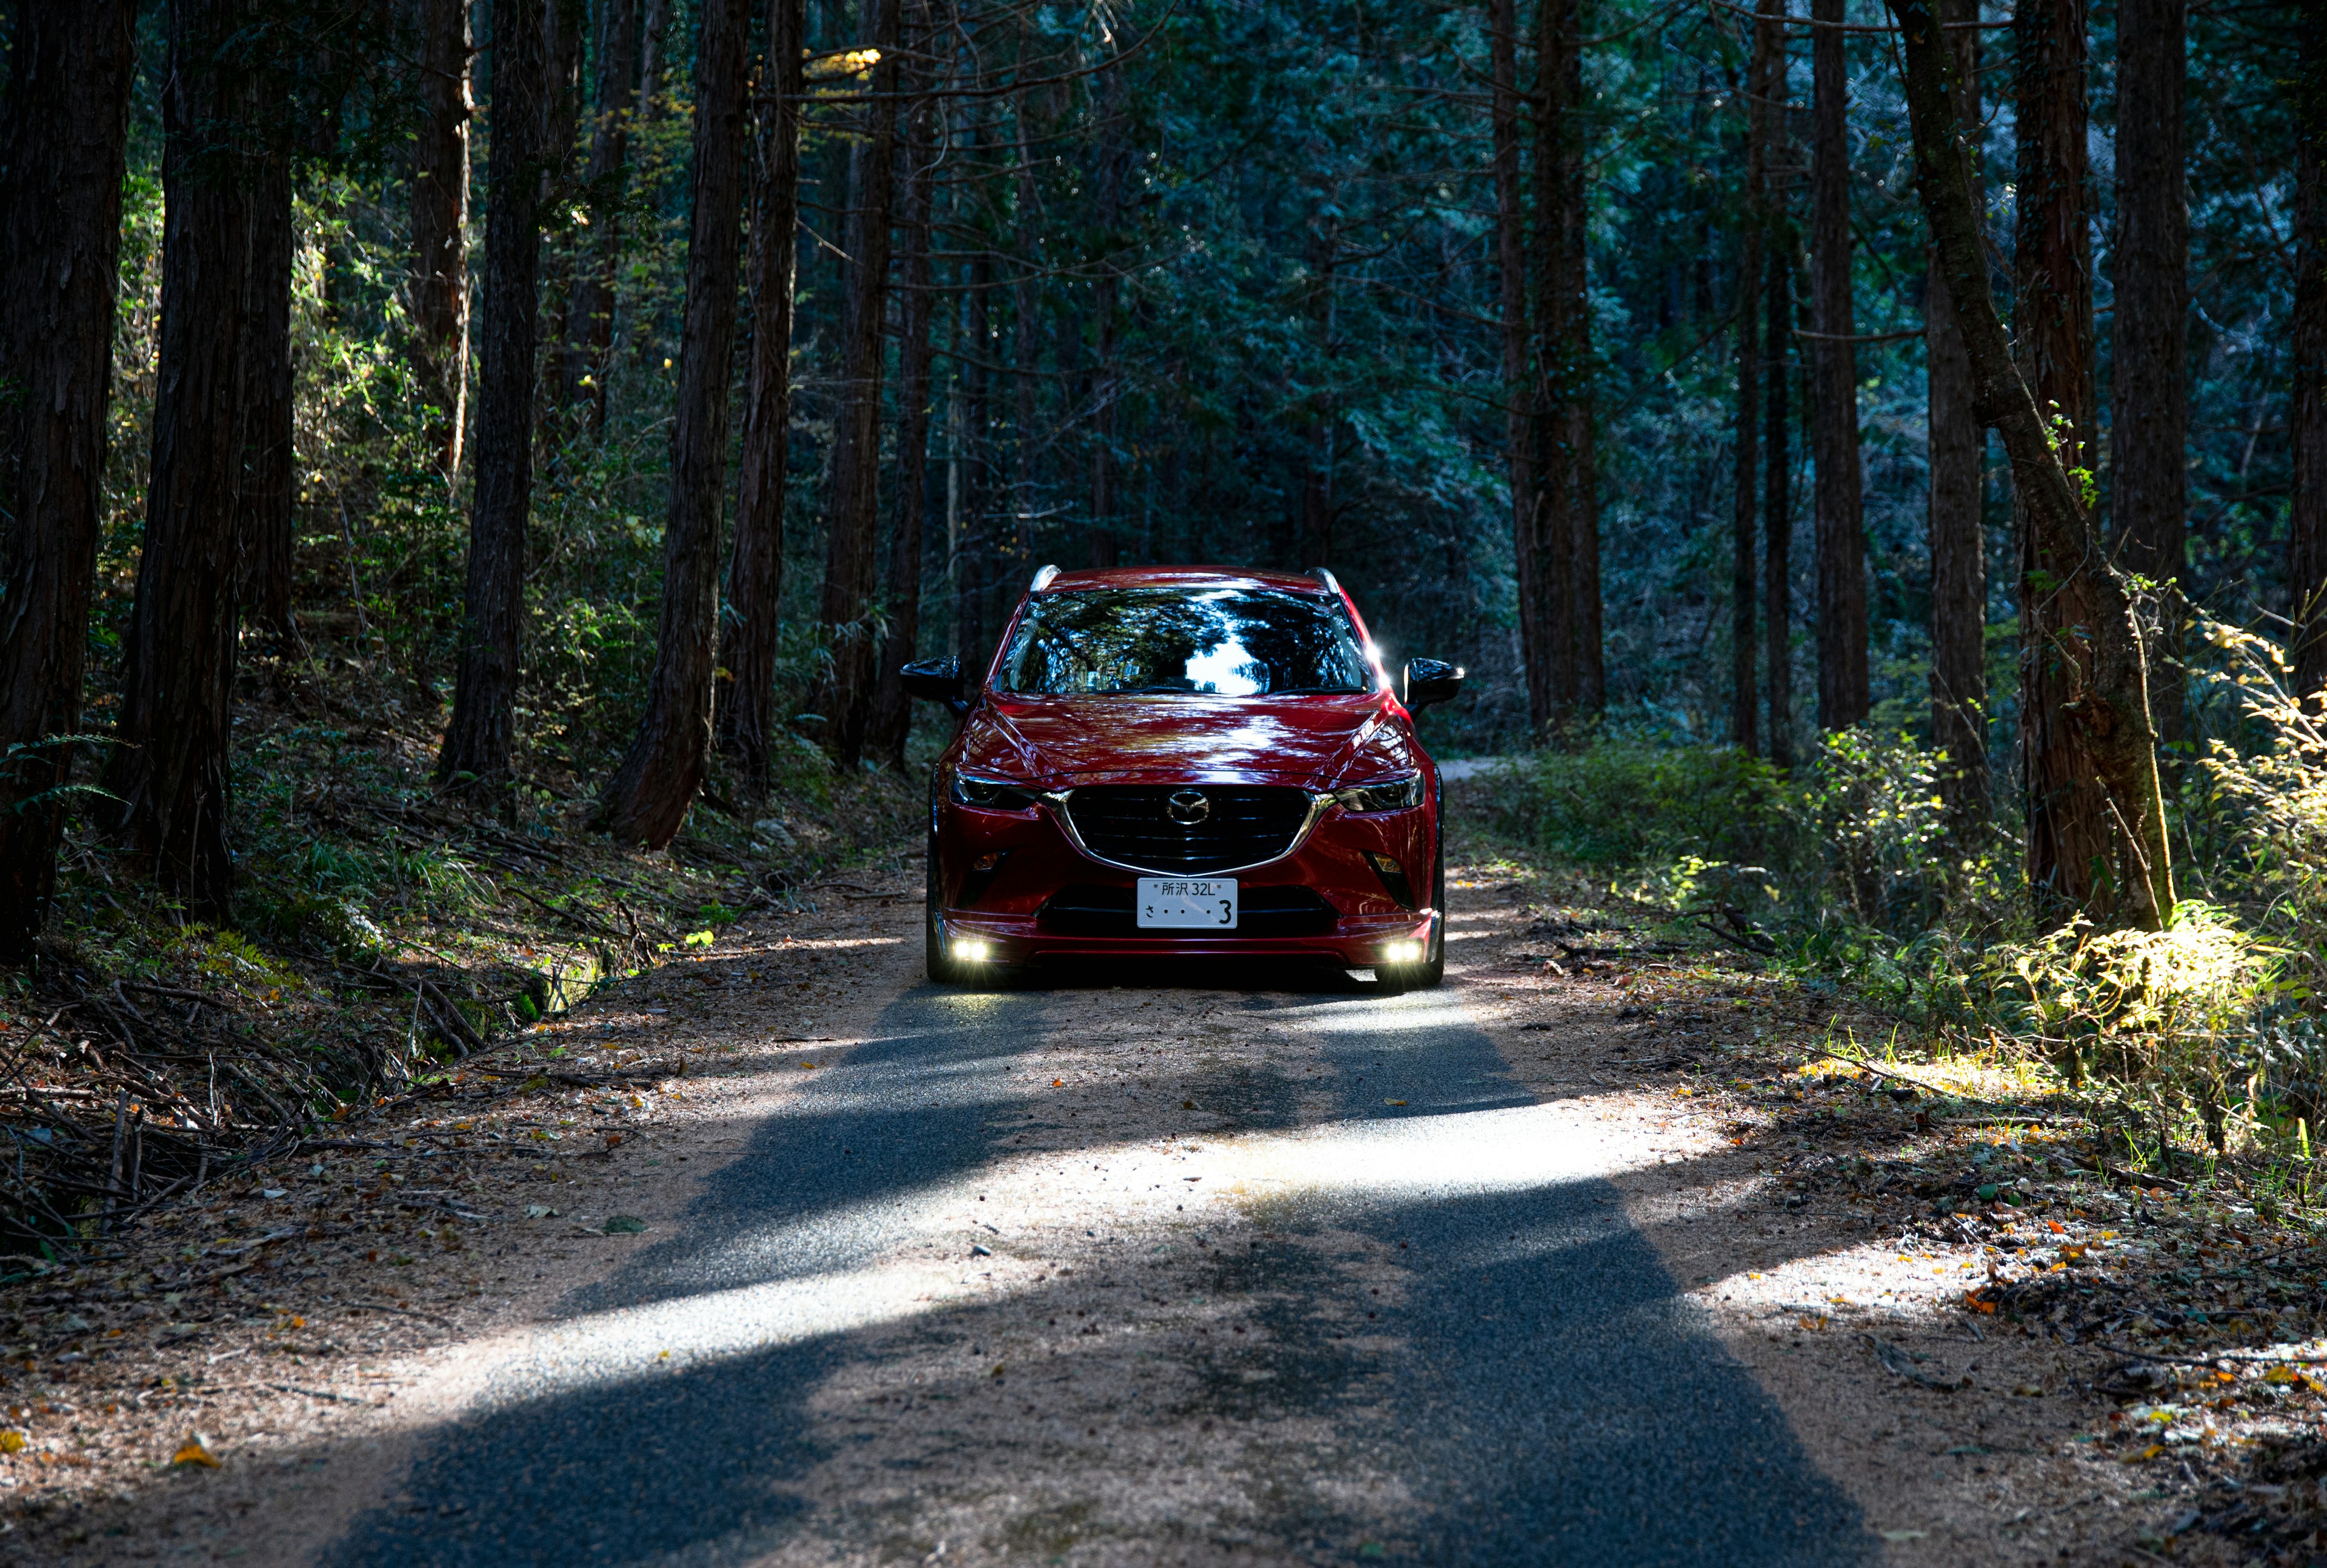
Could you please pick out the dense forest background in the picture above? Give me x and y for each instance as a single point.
(1221, 285)
(443, 435)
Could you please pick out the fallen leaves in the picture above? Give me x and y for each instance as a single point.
(196, 1450)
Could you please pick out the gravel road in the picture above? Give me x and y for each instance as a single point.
(1114, 1270)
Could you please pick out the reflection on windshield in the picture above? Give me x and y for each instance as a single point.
(1229, 642)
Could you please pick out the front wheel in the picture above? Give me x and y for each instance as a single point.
(940, 964)
(1426, 974)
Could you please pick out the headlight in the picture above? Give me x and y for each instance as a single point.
(992, 794)
(1388, 795)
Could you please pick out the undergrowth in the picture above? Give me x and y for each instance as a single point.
(2196, 1048)
(378, 936)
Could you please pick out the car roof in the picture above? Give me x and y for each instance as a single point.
(1183, 577)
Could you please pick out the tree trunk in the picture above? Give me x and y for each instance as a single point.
(480, 742)
(2149, 379)
(2307, 402)
(1778, 350)
(564, 21)
(1843, 697)
(1744, 698)
(1778, 347)
(853, 506)
(1958, 445)
(440, 216)
(269, 479)
(63, 136)
(2071, 832)
(1557, 375)
(1510, 266)
(169, 767)
(646, 800)
(973, 561)
(2104, 717)
(1107, 381)
(1578, 435)
(892, 709)
(756, 571)
(591, 318)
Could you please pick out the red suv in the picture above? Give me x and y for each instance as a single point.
(1188, 762)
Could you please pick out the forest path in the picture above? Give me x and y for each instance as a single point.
(1128, 1267)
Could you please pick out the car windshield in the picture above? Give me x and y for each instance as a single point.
(1230, 642)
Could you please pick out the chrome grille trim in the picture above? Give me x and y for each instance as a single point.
(1059, 801)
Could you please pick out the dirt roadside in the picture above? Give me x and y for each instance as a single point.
(309, 1328)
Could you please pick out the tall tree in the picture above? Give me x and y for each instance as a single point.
(480, 743)
(756, 571)
(1778, 354)
(63, 132)
(2149, 383)
(439, 290)
(1958, 545)
(2307, 405)
(2069, 832)
(852, 505)
(1744, 698)
(648, 799)
(270, 480)
(1778, 347)
(1107, 380)
(590, 321)
(1578, 422)
(169, 767)
(1558, 376)
(901, 588)
(1510, 268)
(1843, 697)
(2131, 877)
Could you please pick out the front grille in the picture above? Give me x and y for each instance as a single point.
(1085, 910)
(1239, 826)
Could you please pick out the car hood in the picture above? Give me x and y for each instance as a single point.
(1314, 743)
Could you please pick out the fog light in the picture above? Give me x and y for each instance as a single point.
(966, 951)
(1401, 952)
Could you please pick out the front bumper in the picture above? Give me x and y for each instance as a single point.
(1018, 883)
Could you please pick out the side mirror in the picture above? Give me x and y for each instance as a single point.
(1431, 680)
(936, 680)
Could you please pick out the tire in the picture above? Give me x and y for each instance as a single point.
(1425, 975)
(942, 970)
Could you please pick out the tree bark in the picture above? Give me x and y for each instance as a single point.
(2105, 716)
(901, 590)
(270, 479)
(756, 571)
(564, 262)
(2071, 831)
(852, 507)
(1745, 696)
(1778, 347)
(1958, 547)
(1778, 350)
(646, 800)
(591, 318)
(2149, 380)
(1578, 436)
(169, 767)
(973, 561)
(2307, 402)
(1107, 383)
(439, 289)
(1843, 697)
(1510, 266)
(1558, 375)
(480, 742)
(63, 136)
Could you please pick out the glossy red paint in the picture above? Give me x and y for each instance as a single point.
(1007, 877)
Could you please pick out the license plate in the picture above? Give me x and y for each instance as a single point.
(1177, 904)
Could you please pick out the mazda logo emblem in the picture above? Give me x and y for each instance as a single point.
(1188, 806)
